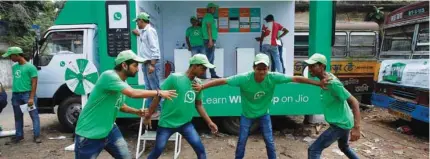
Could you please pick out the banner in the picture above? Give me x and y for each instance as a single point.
(410, 73)
(223, 19)
(244, 20)
(235, 19)
(255, 19)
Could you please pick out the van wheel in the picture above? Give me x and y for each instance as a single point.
(68, 113)
(232, 125)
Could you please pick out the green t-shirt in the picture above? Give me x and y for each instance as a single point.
(179, 110)
(195, 36)
(209, 18)
(336, 108)
(22, 75)
(98, 116)
(256, 97)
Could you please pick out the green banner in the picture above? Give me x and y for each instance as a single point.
(289, 99)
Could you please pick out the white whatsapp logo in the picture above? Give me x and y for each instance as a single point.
(18, 74)
(190, 96)
(118, 102)
(258, 95)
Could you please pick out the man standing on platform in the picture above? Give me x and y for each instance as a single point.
(210, 35)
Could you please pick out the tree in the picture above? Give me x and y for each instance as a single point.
(20, 15)
(377, 15)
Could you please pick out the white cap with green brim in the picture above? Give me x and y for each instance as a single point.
(127, 55)
(315, 58)
(262, 58)
(200, 59)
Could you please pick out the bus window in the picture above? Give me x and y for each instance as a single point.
(398, 39)
(362, 44)
(339, 48)
(423, 38)
(301, 44)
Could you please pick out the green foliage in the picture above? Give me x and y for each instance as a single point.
(377, 15)
(20, 15)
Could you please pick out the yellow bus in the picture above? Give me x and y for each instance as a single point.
(354, 55)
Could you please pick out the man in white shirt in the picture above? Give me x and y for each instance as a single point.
(268, 40)
(149, 50)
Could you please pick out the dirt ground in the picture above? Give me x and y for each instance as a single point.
(380, 139)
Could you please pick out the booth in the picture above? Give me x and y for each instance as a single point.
(239, 23)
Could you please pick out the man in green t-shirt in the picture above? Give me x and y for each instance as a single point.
(23, 92)
(96, 129)
(256, 88)
(210, 35)
(337, 112)
(176, 115)
(194, 37)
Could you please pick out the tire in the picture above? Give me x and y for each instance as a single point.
(232, 125)
(68, 112)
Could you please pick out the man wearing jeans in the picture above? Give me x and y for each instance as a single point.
(177, 114)
(149, 50)
(256, 88)
(96, 129)
(210, 35)
(194, 37)
(23, 92)
(337, 112)
(269, 37)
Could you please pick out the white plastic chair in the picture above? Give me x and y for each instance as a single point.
(151, 136)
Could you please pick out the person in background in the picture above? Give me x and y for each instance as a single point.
(210, 35)
(194, 37)
(149, 50)
(3, 100)
(337, 104)
(23, 92)
(280, 49)
(268, 40)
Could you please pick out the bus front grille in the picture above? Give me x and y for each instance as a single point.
(403, 106)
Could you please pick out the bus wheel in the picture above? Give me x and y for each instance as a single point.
(232, 125)
(68, 112)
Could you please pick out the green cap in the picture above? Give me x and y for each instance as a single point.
(143, 16)
(127, 55)
(201, 59)
(212, 5)
(13, 51)
(315, 58)
(261, 58)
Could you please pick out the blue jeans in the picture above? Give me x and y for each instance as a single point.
(266, 128)
(20, 99)
(332, 134)
(152, 81)
(114, 144)
(197, 50)
(210, 53)
(187, 131)
(274, 53)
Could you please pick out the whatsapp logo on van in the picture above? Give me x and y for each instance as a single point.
(190, 96)
(117, 16)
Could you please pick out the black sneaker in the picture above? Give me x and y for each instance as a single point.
(37, 140)
(215, 76)
(14, 140)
